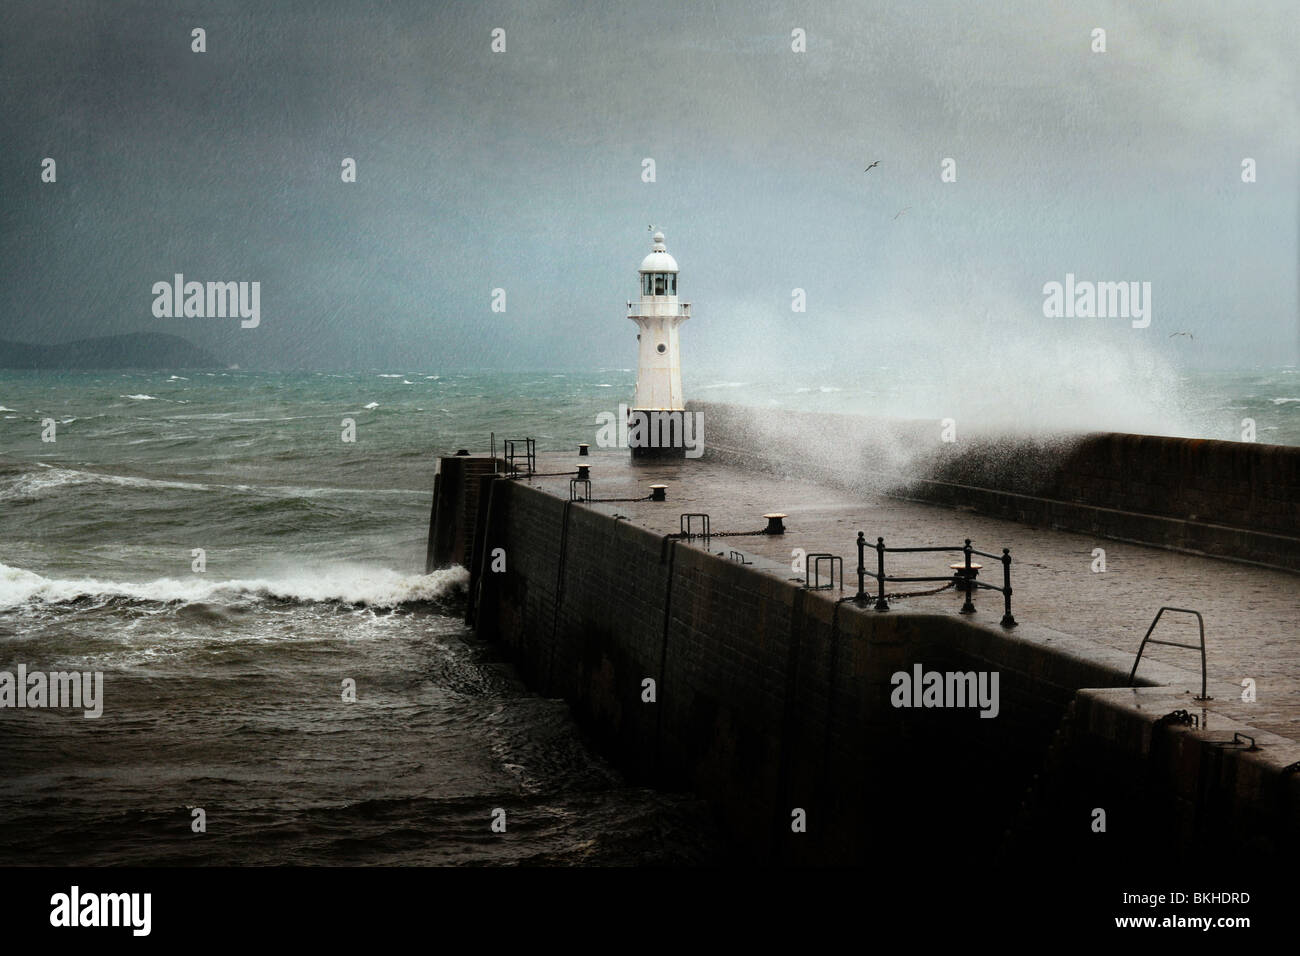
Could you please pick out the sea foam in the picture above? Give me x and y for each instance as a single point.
(345, 584)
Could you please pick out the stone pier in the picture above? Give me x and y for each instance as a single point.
(709, 665)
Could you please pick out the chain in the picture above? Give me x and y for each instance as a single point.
(716, 534)
(1178, 717)
(905, 594)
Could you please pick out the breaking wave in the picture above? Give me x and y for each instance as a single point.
(343, 584)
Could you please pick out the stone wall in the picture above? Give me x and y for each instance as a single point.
(1234, 500)
(770, 698)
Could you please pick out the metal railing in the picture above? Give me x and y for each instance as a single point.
(1191, 647)
(965, 577)
(683, 308)
(688, 525)
(579, 489)
(513, 453)
(813, 574)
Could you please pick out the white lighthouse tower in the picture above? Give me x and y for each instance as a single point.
(659, 403)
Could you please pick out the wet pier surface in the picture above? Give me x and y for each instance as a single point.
(1252, 614)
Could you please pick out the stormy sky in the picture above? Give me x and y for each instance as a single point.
(522, 170)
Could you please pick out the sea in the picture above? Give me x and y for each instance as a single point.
(240, 554)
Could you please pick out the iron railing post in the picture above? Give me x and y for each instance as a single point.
(881, 603)
(967, 582)
(1007, 619)
(862, 571)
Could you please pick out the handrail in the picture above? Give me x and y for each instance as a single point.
(512, 454)
(665, 310)
(813, 575)
(1191, 647)
(685, 524)
(965, 579)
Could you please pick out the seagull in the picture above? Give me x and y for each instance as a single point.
(901, 211)
(1188, 334)
(872, 166)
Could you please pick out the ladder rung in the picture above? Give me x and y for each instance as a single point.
(1190, 647)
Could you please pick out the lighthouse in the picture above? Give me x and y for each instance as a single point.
(657, 417)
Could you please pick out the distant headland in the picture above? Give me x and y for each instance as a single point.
(145, 350)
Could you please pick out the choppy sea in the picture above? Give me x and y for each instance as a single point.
(223, 687)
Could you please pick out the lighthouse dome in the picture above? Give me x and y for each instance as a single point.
(659, 260)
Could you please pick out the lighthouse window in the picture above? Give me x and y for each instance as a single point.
(662, 347)
(659, 284)
(672, 283)
(645, 285)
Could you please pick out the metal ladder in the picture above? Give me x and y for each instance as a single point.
(1191, 647)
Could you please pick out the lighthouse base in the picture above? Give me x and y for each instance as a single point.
(659, 433)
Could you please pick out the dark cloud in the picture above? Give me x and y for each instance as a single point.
(522, 171)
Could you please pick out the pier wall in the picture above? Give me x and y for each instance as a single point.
(769, 699)
(455, 509)
(1236, 500)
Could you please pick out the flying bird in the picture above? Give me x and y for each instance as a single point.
(872, 166)
(901, 211)
(1188, 334)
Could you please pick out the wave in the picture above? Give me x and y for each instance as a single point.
(140, 398)
(34, 484)
(342, 584)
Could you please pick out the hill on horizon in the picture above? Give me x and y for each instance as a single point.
(144, 350)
